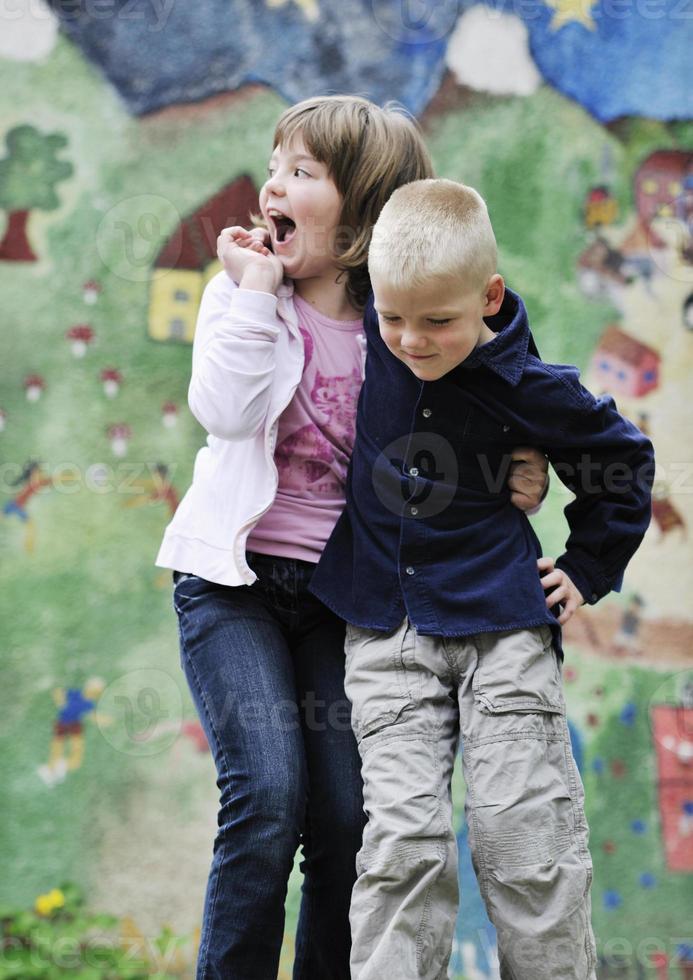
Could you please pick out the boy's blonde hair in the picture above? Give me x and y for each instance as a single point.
(369, 152)
(434, 229)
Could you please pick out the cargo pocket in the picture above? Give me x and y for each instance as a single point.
(518, 671)
(380, 681)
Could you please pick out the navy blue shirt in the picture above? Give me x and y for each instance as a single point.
(429, 531)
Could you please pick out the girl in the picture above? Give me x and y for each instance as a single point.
(277, 367)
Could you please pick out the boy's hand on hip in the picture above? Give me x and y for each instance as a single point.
(528, 478)
(562, 589)
(247, 259)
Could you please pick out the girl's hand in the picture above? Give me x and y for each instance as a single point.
(528, 478)
(247, 259)
(565, 591)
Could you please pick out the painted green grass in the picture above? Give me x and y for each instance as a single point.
(85, 603)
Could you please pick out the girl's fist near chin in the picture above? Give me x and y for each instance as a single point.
(247, 260)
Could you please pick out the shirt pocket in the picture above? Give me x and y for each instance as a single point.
(482, 427)
(487, 445)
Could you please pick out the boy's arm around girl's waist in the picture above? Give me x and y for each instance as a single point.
(233, 359)
(608, 463)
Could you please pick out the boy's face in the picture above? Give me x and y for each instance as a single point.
(434, 327)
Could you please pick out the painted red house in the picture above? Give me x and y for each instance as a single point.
(659, 181)
(188, 259)
(623, 365)
(672, 727)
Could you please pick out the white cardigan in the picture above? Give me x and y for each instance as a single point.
(247, 363)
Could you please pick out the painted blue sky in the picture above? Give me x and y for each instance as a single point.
(624, 63)
(616, 57)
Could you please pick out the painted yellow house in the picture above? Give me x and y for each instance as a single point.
(188, 260)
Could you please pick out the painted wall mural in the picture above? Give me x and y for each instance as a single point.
(399, 49)
(119, 162)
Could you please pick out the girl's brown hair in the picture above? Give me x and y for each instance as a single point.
(369, 152)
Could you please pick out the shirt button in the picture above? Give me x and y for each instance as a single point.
(506, 428)
(414, 511)
(414, 471)
(409, 569)
(594, 597)
(427, 413)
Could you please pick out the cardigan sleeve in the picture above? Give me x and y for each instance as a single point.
(233, 359)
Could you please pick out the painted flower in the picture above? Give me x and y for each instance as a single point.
(48, 903)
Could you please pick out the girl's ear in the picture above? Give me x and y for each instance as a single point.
(495, 293)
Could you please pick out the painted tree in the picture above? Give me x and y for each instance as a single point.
(28, 175)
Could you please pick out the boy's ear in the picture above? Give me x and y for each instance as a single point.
(495, 293)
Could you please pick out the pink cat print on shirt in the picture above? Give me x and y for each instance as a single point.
(316, 457)
(336, 399)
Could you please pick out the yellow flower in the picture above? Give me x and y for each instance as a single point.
(57, 897)
(48, 903)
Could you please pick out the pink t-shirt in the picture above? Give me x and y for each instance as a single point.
(315, 440)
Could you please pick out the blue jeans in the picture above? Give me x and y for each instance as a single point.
(265, 667)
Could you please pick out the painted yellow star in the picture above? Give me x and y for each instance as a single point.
(309, 7)
(567, 11)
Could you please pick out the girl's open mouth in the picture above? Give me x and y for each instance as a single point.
(284, 228)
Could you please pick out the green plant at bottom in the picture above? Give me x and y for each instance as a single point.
(59, 938)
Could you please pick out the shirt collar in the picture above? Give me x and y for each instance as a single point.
(506, 354)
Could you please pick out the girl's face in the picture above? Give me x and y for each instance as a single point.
(302, 206)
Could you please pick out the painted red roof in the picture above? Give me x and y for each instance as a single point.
(672, 162)
(615, 341)
(193, 245)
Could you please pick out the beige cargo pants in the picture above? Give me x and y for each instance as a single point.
(413, 697)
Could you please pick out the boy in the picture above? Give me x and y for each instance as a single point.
(451, 634)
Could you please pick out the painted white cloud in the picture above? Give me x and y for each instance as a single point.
(489, 51)
(28, 30)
